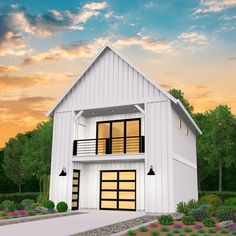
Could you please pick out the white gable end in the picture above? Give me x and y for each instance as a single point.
(110, 80)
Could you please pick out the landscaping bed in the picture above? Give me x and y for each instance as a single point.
(180, 229)
(211, 215)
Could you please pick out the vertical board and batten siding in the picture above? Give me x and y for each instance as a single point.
(185, 160)
(86, 127)
(90, 182)
(109, 81)
(61, 187)
(158, 192)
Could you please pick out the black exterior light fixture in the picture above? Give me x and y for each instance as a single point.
(63, 172)
(151, 172)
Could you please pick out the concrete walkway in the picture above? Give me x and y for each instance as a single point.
(67, 225)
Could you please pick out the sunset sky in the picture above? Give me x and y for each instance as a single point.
(44, 46)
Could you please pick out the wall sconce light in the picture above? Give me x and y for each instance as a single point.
(63, 172)
(151, 172)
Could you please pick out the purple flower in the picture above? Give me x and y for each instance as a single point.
(177, 226)
(197, 226)
(13, 213)
(232, 227)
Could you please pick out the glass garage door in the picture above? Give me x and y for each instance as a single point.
(118, 190)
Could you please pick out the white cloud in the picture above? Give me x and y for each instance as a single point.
(206, 6)
(111, 14)
(150, 5)
(146, 42)
(193, 37)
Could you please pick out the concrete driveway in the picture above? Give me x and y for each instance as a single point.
(68, 225)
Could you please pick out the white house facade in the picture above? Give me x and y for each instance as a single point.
(120, 142)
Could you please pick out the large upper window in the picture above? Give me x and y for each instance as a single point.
(121, 136)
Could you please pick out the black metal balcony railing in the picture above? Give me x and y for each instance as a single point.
(103, 146)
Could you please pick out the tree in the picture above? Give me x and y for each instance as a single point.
(178, 94)
(12, 163)
(37, 154)
(217, 145)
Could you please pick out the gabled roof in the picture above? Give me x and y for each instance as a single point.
(174, 100)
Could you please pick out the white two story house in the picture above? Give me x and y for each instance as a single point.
(121, 142)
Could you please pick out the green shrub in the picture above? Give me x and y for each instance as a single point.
(212, 230)
(49, 205)
(31, 212)
(143, 229)
(233, 232)
(131, 232)
(9, 205)
(199, 214)
(154, 232)
(169, 234)
(27, 203)
(209, 222)
(62, 206)
(165, 219)
(164, 229)
(224, 231)
(224, 213)
(182, 207)
(193, 204)
(1, 207)
(231, 201)
(176, 231)
(188, 220)
(18, 197)
(3, 214)
(210, 199)
(223, 195)
(193, 234)
(19, 206)
(181, 234)
(187, 229)
(206, 235)
(202, 231)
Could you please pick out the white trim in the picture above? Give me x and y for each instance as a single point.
(110, 158)
(140, 109)
(78, 115)
(183, 160)
(168, 95)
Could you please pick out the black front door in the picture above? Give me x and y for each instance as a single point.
(75, 190)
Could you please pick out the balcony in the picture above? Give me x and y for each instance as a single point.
(109, 146)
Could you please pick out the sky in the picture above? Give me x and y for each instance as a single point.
(44, 45)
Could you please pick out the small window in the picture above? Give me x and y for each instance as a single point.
(179, 123)
(186, 130)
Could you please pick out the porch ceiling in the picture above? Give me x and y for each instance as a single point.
(112, 110)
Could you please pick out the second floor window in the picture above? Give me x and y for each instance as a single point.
(121, 136)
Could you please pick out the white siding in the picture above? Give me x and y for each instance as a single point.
(90, 182)
(60, 187)
(183, 145)
(159, 196)
(185, 182)
(109, 81)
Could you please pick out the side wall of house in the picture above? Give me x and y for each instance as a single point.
(184, 159)
(61, 187)
(158, 187)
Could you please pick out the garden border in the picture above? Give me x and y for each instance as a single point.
(38, 217)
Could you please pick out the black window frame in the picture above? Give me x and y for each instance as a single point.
(125, 129)
(118, 190)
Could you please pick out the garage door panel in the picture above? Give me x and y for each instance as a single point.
(127, 185)
(126, 205)
(109, 195)
(109, 204)
(118, 190)
(109, 185)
